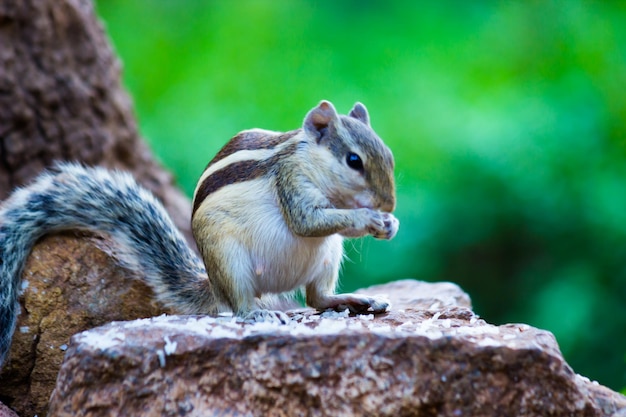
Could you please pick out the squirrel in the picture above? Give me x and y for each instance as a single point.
(270, 212)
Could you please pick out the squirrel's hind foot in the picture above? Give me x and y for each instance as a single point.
(267, 316)
(356, 304)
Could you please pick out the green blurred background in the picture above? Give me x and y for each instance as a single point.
(506, 120)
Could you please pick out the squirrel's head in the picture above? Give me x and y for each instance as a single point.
(359, 163)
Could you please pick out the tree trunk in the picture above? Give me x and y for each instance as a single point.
(61, 100)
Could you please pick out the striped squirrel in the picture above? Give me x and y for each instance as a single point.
(269, 215)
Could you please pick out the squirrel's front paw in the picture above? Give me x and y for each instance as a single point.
(390, 227)
(379, 224)
(382, 225)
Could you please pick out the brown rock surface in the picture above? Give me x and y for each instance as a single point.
(70, 284)
(6, 411)
(437, 359)
(419, 295)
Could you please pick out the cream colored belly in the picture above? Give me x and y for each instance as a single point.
(277, 260)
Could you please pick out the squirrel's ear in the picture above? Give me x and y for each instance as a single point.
(359, 112)
(317, 120)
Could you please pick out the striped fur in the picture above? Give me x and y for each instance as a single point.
(248, 155)
(72, 197)
(271, 208)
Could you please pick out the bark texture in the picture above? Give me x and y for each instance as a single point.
(61, 99)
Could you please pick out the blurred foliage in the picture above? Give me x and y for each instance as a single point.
(506, 120)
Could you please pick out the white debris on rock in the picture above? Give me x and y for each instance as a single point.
(437, 326)
(23, 286)
(110, 338)
(330, 314)
(170, 347)
(161, 357)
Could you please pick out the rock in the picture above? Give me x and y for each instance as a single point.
(409, 293)
(437, 359)
(6, 411)
(71, 284)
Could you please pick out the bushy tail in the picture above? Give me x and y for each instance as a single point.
(72, 197)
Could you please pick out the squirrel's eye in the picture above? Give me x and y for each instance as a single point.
(354, 161)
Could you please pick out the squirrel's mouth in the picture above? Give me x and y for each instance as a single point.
(358, 201)
(351, 204)
(363, 200)
(374, 204)
(360, 205)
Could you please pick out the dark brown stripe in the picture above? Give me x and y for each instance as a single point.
(238, 172)
(252, 141)
(230, 174)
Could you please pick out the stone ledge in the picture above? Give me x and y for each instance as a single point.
(438, 360)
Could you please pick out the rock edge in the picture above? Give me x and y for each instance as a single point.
(436, 358)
